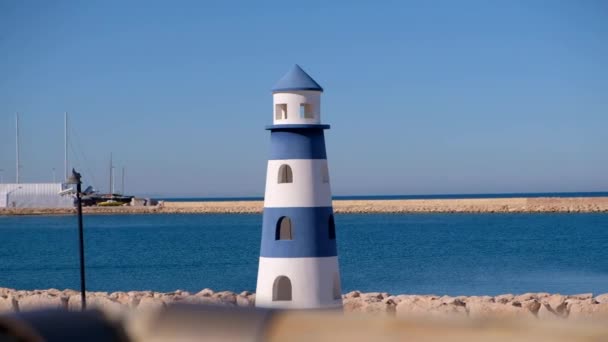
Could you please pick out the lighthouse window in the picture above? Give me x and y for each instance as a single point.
(285, 174)
(280, 111)
(281, 289)
(283, 229)
(332, 228)
(306, 111)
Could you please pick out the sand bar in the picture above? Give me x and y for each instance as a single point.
(479, 205)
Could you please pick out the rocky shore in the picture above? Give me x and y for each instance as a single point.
(479, 205)
(543, 306)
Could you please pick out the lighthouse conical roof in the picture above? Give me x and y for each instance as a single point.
(296, 79)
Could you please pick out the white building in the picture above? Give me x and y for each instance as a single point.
(35, 195)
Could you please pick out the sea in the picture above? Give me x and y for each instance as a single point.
(453, 254)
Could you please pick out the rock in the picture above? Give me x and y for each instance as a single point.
(414, 305)
(483, 299)
(243, 301)
(505, 298)
(372, 303)
(582, 296)
(570, 302)
(4, 292)
(199, 300)
(449, 311)
(603, 298)
(67, 293)
(205, 293)
(182, 293)
(485, 310)
(378, 308)
(353, 294)
(107, 305)
(124, 299)
(150, 304)
(8, 304)
(531, 305)
(352, 305)
(557, 303)
(375, 295)
(245, 293)
(225, 297)
(524, 297)
(37, 301)
(430, 306)
(586, 310)
(452, 301)
(545, 312)
(52, 292)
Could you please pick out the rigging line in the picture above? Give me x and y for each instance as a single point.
(79, 150)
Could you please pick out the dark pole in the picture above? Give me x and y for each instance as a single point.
(83, 297)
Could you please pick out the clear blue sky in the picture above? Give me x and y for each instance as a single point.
(423, 97)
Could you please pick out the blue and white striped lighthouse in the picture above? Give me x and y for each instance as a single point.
(298, 258)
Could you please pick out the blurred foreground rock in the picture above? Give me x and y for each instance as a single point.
(541, 306)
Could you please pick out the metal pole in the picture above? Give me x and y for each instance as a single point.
(17, 147)
(65, 151)
(83, 297)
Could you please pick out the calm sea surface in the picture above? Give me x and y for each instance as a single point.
(456, 254)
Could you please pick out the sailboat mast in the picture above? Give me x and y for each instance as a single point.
(122, 185)
(65, 156)
(111, 174)
(17, 147)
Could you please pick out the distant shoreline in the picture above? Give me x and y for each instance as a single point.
(403, 197)
(473, 205)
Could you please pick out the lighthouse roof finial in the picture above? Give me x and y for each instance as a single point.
(296, 79)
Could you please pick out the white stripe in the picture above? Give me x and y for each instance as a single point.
(307, 189)
(312, 281)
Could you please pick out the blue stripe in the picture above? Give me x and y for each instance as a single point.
(310, 233)
(297, 144)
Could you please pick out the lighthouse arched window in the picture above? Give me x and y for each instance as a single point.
(281, 289)
(283, 229)
(285, 174)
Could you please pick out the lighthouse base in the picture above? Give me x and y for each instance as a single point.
(299, 283)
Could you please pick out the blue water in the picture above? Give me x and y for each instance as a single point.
(456, 254)
(395, 197)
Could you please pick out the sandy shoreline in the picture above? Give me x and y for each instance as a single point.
(479, 205)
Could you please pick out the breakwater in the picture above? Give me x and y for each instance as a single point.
(475, 205)
(542, 306)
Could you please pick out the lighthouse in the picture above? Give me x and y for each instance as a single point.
(298, 266)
